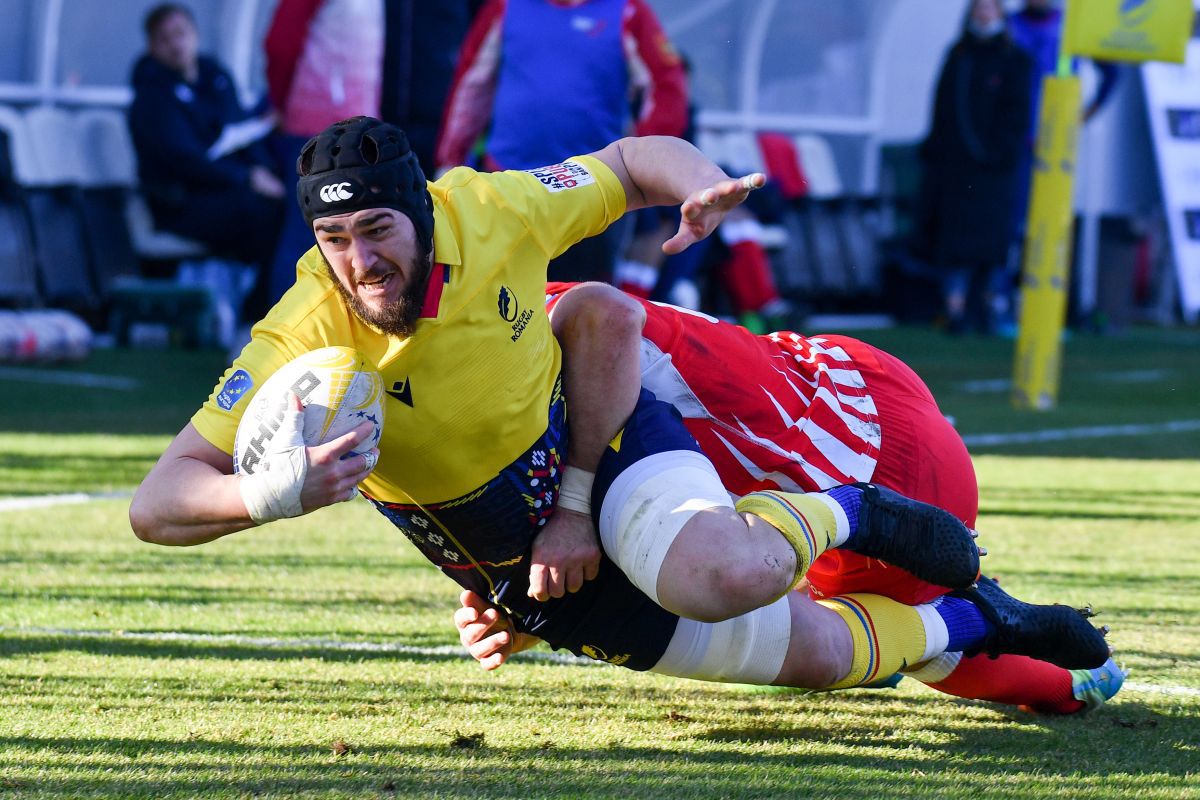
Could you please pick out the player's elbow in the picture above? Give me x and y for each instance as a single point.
(147, 525)
(141, 521)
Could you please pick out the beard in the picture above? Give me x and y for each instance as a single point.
(399, 318)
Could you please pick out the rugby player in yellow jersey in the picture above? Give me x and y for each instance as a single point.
(441, 285)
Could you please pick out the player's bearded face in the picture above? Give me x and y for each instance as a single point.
(376, 266)
(397, 317)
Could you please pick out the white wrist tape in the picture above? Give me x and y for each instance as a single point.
(575, 491)
(273, 491)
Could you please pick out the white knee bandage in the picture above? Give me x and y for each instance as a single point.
(648, 504)
(746, 649)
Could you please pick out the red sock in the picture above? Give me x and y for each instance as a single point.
(1015, 680)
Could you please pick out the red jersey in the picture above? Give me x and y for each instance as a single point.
(780, 411)
(777, 411)
(806, 413)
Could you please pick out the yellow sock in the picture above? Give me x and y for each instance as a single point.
(807, 521)
(887, 636)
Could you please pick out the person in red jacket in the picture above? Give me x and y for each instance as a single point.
(329, 60)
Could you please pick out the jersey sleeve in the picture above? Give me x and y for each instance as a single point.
(217, 420)
(563, 203)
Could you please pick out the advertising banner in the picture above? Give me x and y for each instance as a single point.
(1129, 30)
(1173, 107)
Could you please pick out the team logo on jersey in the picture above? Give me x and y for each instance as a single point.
(511, 312)
(402, 391)
(567, 175)
(507, 304)
(1134, 12)
(237, 385)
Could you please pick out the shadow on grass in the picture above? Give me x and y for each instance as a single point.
(1030, 759)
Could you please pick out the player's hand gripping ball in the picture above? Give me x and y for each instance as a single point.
(338, 390)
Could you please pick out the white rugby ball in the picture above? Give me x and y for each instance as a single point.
(339, 390)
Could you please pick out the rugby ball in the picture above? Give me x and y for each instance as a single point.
(339, 390)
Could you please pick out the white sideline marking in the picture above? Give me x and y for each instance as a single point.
(48, 500)
(985, 385)
(1090, 432)
(988, 385)
(90, 380)
(1150, 688)
(281, 644)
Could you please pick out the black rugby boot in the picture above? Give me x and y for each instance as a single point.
(925, 540)
(1058, 634)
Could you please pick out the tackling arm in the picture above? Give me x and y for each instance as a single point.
(600, 331)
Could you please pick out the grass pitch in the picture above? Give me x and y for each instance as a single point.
(129, 670)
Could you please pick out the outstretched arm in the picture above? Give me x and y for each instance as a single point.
(664, 171)
(192, 497)
(600, 330)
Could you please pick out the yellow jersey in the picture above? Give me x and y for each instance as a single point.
(472, 389)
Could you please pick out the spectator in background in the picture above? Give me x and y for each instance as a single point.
(329, 60)
(203, 166)
(971, 158)
(546, 79)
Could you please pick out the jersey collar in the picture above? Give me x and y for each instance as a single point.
(446, 254)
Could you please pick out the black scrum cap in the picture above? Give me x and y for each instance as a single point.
(361, 163)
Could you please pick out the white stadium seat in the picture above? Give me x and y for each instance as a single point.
(820, 167)
(110, 160)
(23, 159)
(743, 153)
(108, 154)
(55, 145)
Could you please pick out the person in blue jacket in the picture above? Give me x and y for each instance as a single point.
(198, 183)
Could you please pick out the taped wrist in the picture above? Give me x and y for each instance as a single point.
(575, 491)
(273, 491)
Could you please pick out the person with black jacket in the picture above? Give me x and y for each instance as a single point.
(203, 172)
(972, 156)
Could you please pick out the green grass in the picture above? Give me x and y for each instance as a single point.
(92, 708)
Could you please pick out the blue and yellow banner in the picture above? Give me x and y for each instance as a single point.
(1129, 30)
(1047, 258)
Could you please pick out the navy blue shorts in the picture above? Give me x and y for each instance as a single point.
(610, 619)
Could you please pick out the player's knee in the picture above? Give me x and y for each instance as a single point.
(816, 669)
(736, 583)
(609, 310)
